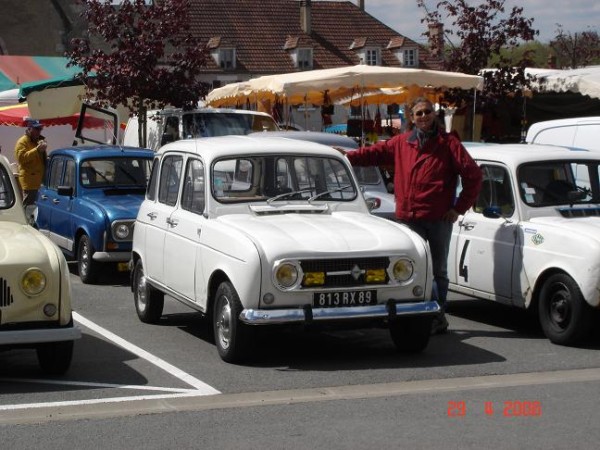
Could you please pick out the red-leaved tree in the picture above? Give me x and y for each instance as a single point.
(143, 55)
(576, 49)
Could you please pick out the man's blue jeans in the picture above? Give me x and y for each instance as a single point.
(437, 234)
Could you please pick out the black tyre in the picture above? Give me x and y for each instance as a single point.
(149, 302)
(232, 338)
(411, 334)
(88, 268)
(55, 357)
(564, 315)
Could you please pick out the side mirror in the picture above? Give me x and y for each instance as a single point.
(65, 190)
(373, 203)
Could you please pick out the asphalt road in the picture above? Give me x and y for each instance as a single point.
(492, 381)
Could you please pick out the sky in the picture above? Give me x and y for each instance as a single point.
(574, 15)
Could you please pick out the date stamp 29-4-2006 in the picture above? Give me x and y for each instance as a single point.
(509, 408)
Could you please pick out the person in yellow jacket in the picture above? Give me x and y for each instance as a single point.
(30, 153)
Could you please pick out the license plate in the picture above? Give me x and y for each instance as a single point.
(123, 267)
(344, 299)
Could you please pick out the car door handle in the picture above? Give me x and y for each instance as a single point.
(44, 197)
(55, 201)
(468, 226)
(172, 222)
(152, 215)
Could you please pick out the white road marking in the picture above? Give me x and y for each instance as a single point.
(97, 385)
(201, 387)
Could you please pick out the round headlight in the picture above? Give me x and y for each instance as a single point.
(33, 282)
(286, 275)
(402, 270)
(122, 231)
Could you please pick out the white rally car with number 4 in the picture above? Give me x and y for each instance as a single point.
(532, 239)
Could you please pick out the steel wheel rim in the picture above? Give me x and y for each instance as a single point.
(84, 257)
(142, 298)
(224, 322)
(560, 309)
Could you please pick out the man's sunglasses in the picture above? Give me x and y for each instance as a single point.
(423, 112)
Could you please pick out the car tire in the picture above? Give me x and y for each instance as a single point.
(232, 338)
(55, 357)
(86, 266)
(563, 313)
(411, 334)
(149, 301)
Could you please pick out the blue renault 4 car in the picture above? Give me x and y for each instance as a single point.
(88, 203)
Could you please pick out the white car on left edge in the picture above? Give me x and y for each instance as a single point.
(35, 288)
(255, 231)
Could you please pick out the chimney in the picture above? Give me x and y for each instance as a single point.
(305, 22)
(361, 5)
(436, 39)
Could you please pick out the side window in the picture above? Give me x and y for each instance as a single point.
(69, 179)
(55, 172)
(151, 192)
(192, 198)
(7, 195)
(496, 191)
(170, 175)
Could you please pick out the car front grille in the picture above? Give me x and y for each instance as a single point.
(6, 297)
(347, 272)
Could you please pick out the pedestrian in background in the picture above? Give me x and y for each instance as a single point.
(30, 154)
(427, 165)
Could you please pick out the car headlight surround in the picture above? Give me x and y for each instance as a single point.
(122, 231)
(33, 281)
(401, 270)
(287, 274)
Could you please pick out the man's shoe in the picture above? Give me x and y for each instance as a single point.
(439, 324)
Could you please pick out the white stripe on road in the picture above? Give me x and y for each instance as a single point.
(201, 387)
(98, 385)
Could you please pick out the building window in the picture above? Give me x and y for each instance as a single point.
(372, 57)
(408, 57)
(227, 58)
(305, 59)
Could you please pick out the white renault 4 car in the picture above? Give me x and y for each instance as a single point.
(532, 239)
(255, 231)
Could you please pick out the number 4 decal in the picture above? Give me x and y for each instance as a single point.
(463, 269)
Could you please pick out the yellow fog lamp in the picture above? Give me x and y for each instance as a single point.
(375, 276)
(33, 282)
(314, 279)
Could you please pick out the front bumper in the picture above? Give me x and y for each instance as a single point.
(39, 336)
(309, 314)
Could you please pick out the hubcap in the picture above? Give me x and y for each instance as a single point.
(224, 323)
(560, 309)
(84, 257)
(141, 291)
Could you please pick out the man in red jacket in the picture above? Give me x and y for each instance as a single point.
(427, 164)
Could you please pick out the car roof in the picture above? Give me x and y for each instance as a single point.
(216, 147)
(319, 137)
(102, 151)
(516, 154)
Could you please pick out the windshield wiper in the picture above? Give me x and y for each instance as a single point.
(288, 194)
(331, 191)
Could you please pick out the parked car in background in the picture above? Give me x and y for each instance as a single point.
(372, 181)
(259, 231)
(88, 203)
(35, 298)
(580, 132)
(168, 125)
(532, 239)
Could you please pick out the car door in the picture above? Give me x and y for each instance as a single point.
(483, 248)
(183, 236)
(48, 193)
(58, 204)
(154, 216)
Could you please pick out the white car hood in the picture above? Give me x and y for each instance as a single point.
(338, 232)
(21, 244)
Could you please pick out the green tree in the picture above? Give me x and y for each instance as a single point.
(576, 49)
(146, 59)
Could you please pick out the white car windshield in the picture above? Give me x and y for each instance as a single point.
(276, 178)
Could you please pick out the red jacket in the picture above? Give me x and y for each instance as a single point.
(425, 180)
